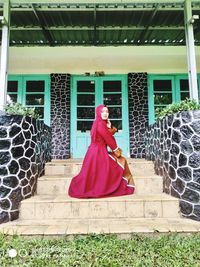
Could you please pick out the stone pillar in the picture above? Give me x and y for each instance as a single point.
(190, 46)
(138, 113)
(4, 54)
(60, 115)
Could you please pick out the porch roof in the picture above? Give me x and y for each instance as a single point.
(63, 23)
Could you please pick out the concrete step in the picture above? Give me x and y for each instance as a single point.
(132, 206)
(71, 160)
(56, 185)
(72, 167)
(123, 227)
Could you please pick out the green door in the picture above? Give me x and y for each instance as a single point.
(86, 94)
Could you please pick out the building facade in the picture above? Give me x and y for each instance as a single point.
(64, 59)
(66, 100)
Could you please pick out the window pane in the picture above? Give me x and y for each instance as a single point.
(160, 99)
(85, 100)
(12, 98)
(117, 124)
(185, 95)
(115, 112)
(34, 86)
(112, 86)
(12, 86)
(86, 86)
(162, 85)
(40, 111)
(85, 113)
(84, 126)
(35, 99)
(184, 85)
(114, 99)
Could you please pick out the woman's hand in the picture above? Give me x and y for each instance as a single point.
(118, 152)
(109, 124)
(112, 130)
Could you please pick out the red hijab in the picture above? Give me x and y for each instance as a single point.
(98, 120)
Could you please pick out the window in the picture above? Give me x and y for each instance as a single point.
(162, 93)
(12, 91)
(184, 89)
(31, 91)
(166, 89)
(85, 105)
(112, 98)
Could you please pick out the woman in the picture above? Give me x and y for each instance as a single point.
(102, 174)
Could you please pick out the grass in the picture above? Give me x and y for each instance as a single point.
(164, 250)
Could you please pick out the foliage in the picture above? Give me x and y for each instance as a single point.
(184, 105)
(180, 250)
(19, 109)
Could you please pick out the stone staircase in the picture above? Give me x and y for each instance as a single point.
(52, 212)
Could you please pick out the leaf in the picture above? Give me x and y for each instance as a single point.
(19, 109)
(174, 108)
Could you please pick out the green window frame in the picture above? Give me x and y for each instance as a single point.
(176, 91)
(27, 95)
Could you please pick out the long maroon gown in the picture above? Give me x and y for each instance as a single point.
(101, 175)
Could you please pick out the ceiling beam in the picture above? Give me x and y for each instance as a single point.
(99, 8)
(114, 2)
(84, 28)
(42, 23)
(64, 5)
(95, 25)
(143, 34)
(91, 9)
(127, 43)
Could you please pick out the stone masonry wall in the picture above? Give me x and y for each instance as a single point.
(138, 113)
(25, 146)
(60, 115)
(173, 143)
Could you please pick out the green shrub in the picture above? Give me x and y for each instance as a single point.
(184, 105)
(19, 109)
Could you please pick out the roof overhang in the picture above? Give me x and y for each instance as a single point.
(99, 23)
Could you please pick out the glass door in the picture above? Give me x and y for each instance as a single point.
(86, 94)
(115, 97)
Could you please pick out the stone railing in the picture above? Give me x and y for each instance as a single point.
(25, 146)
(173, 143)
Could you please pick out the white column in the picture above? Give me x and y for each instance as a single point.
(4, 53)
(189, 34)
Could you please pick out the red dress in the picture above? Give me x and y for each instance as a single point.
(101, 175)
